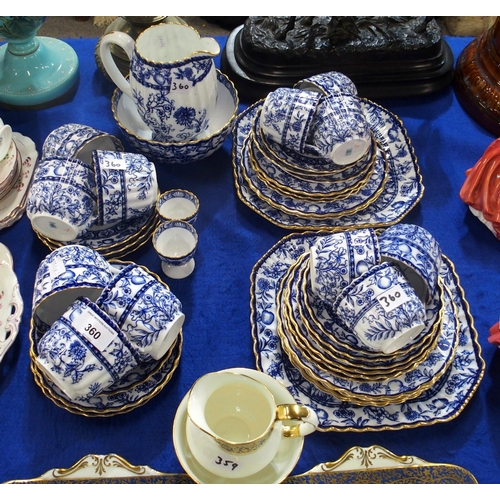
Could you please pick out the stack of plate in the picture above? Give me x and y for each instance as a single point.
(293, 192)
(135, 389)
(298, 341)
(114, 240)
(15, 187)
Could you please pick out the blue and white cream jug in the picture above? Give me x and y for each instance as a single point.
(172, 79)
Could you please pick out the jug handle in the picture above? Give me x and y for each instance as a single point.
(127, 43)
(306, 416)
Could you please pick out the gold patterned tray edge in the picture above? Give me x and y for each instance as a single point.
(369, 465)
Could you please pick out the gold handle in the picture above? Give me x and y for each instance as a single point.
(308, 420)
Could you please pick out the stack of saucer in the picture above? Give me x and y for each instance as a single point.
(302, 337)
(17, 162)
(87, 191)
(318, 155)
(76, 287)
(10, 168)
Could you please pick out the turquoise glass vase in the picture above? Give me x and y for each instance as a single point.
(35, 71)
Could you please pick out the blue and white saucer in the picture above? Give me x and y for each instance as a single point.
(295, 206)
(319, 344)
(307, 188)
(403, 187)
(453, 389)
(404, 386)
(114, 240)
(134, 389)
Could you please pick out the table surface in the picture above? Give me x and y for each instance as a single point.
(36, 435)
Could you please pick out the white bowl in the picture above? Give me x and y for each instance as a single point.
(138, 134)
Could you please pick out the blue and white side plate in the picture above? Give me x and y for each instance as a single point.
(293, 205)
(307, 188)
(453, 389)
(114, 240)
(140, 385)
(135, 389)
(379, 393)
(317, 345)
(403, 187)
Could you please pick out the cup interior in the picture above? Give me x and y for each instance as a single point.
(178, 205)
(175, 242)
(103, 142)
(232, 407)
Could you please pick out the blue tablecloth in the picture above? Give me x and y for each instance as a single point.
(36, 435)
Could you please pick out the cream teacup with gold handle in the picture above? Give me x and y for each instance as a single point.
(234, 426)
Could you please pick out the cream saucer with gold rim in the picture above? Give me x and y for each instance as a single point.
(283, 463)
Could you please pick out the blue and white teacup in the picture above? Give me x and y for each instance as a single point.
(286, 117)
(381, 308)
(337, 259)
(74, 140)
(178, 204)
(61, 202)
(145, 310)
(67, 273)
(417, 253)
(126, 185)
(84, 352)
(329, 83)
(172, 79)
(340, 130)
(175, 243)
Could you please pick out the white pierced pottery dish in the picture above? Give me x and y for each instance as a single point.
(283, 463)
(6, 256)
(13, 204)
(453, 389)
(402, 190)
(11, 307)
(139, 135)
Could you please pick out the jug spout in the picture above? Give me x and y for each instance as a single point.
(209, 46)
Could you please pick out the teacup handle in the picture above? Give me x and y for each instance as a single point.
(307, 417)
(5, 140)
(127, 43)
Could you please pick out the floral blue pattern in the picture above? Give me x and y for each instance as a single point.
(66, 271)
(329, 83)
(134, 388)
(359, 307)
(415, 247)
(441, 402)
(68, 141)
(79, 367)
(141, 306)
(287, 115)
(339, 258)
(167, 111)
(64, 190)
(127, 186)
